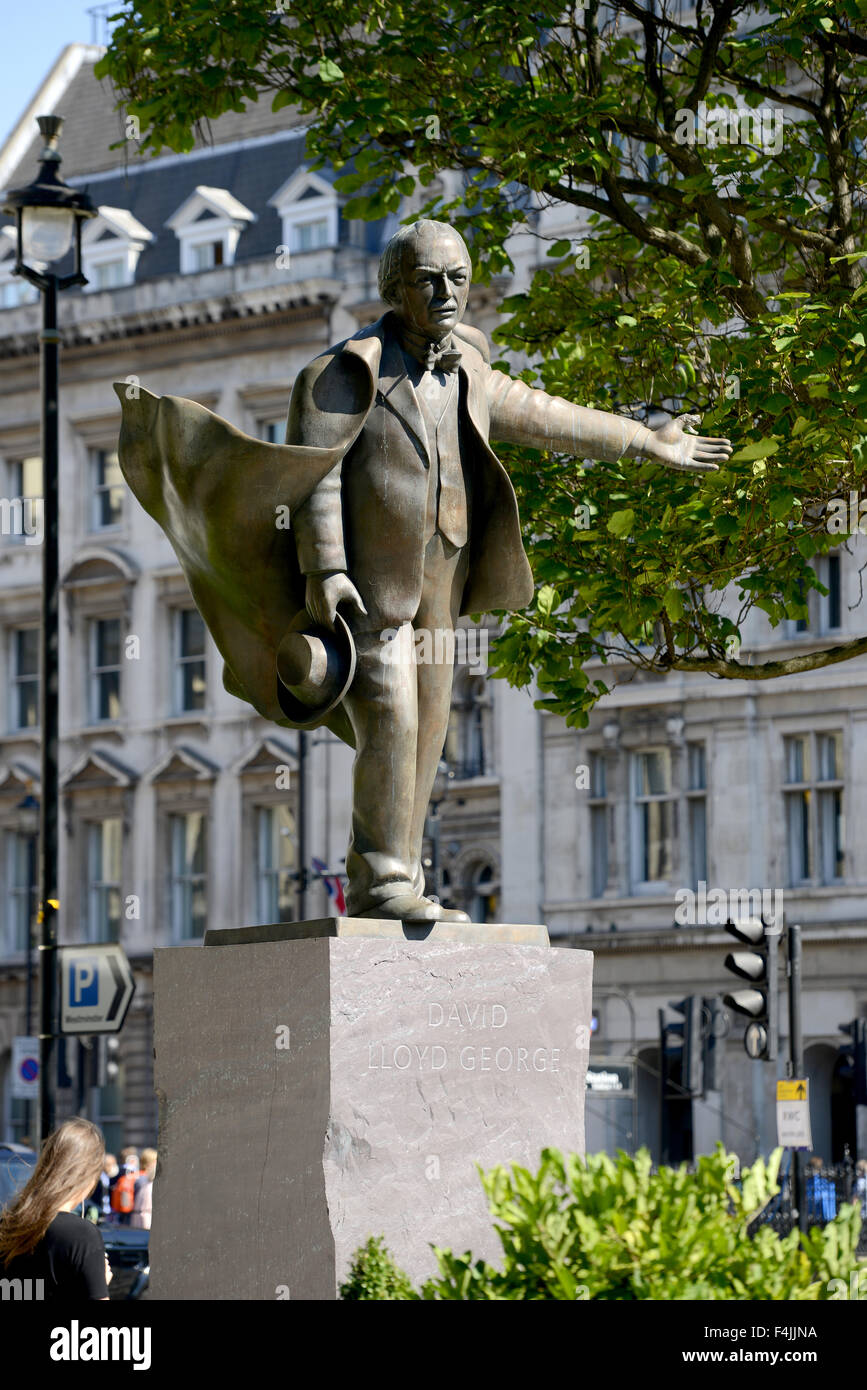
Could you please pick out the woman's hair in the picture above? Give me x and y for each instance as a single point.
(71, 1160)
(148, 1159)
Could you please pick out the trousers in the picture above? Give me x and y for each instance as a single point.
(399, 709)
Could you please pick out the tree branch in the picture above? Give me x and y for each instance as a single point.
(769, 670)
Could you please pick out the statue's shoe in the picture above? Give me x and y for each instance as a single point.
(408, 907)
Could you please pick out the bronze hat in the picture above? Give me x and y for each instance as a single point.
(315, 668)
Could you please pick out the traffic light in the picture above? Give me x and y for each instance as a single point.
(108, 1051)
(853, 1056)
(759, 967)
(690, 1032)
(714, 1032)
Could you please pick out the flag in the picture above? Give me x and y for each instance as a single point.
(333, 885)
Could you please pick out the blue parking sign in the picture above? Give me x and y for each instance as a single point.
(84, 982)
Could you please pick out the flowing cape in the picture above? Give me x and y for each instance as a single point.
(225, 501)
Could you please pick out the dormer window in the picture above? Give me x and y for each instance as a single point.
(308, 208)
(110, 248)
(14, 289)
(208, 225)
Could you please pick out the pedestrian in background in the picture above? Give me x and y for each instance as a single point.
(141, 1217)
(41, 1237)
(101, 1195)
(123, 1190)
(860, 1192)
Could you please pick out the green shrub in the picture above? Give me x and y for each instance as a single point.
(603, 1228)
(611, 1229)
(374, 1275)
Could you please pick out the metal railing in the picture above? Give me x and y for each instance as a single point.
(828, 1190)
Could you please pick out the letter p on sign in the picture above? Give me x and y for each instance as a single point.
(84, 983)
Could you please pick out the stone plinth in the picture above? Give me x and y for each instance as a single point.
(318, 1090)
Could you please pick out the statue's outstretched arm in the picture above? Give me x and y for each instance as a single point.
(521, 414)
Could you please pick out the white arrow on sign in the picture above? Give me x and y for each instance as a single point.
(96, 986)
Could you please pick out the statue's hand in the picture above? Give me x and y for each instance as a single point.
(691, 453)
(326, 591)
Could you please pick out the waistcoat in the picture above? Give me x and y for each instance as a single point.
(447, 497)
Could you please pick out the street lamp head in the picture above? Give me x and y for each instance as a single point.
(47, 211)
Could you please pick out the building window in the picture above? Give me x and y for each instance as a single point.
(310, 236)
(825, 611)
(485, 897)
(204, 255)
(188, 874)
(21, 515)
(653, 809)
(696, 801)
(21, 878)
(276, 858)
(24, 696)
(598, 826)
(189, 665)
(108, 489)
(815, 823)
(273, 431)
(104, 669)
(16, 292)
(103, 879)
(830, 604)
(107, 275)
(466, 747)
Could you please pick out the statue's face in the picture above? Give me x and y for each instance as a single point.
(434, 284)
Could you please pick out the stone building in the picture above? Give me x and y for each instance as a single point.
(217, 275)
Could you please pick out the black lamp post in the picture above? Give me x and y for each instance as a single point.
(49, 215)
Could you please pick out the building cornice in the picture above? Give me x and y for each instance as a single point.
(214, 316)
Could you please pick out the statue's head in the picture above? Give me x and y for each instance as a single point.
(424, 275)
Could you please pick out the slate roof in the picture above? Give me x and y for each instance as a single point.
(92, 125)
(252, 175)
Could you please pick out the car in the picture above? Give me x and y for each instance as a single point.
(17, 1162)
(127, 1251)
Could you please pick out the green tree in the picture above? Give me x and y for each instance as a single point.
(718, 159)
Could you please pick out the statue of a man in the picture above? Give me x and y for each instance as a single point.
(402, 520)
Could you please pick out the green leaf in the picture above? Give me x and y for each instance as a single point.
(760, 449)
(329, 71)
(621, 523)
(673, 604)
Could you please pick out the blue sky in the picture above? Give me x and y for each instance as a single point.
(34, 33)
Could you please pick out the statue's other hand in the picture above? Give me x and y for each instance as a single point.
(325, 592)
(691, 453)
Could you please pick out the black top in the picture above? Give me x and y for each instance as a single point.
(70, 1258)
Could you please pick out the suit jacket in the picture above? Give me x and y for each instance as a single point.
(366, 516)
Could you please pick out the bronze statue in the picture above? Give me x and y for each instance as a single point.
(402, 519)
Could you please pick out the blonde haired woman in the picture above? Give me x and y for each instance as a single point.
(40, 1237)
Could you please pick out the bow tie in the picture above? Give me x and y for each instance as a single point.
(431, 356)
(446, 361)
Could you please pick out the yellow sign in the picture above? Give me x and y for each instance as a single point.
(792, 1090)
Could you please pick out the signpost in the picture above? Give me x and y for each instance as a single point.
(611, 1077)
(793, 1114)
(25, 1068)
(96, 986)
